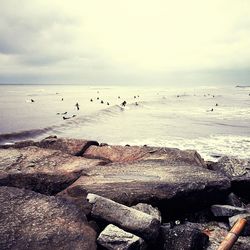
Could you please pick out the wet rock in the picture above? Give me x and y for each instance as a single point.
(238, 170)
(226, 210)
(42, 170)
(234, 219)
(125, 217)
(148, 209)
(183, 237)
(29, 220)
(113, 237)
(156, 184)
(170, 156)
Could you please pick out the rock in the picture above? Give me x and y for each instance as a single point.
(125, 217)
(148, 209)
(113, 237)
(226, 210)
(157, 184)
(238, 170)
(170, 156)
(234, 200)
(29, 220)
(184, 237)
(43, 170)
(234, 219)
(70, 146)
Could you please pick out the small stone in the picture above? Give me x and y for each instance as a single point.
(113, 238)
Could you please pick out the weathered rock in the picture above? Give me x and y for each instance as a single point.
(67, 145)
(127, 218)
(157, 184)
(114, 238)
(42, 170)
(234, 200)
(238, 170)
(29, 220)
(226, 210)
(148, 209)
(70, 146)
(170, 156)
(234, 219)
(184, 237)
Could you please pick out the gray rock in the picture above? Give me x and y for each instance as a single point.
(125, 217)
(148, 209)
(234, 200)
(42, 170)
(184, 237)
(238, 170)
(226, 210)
(169, 156)
(66, 145)
(152, 183)
(232, 167)
(114, 238)
(234, 219)
(29, 220)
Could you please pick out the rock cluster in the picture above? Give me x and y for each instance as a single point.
(78, 194)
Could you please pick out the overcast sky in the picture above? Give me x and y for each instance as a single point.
(125, 41)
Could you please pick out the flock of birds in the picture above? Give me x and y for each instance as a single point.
(122, 105)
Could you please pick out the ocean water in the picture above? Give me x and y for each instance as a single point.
(215, 121)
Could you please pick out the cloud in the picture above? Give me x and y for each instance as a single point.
(117, 41)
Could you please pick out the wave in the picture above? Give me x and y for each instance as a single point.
(15, 136)
(72, 122)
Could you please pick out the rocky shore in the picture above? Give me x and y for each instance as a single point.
(62, 193)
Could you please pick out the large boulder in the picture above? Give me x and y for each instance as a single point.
(114, 238)
(42, 170)
(170, 156)
(238, 170)
(29, 220)
(153, 183)
(66, 145)
(127, 218)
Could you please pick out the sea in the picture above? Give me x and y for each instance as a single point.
(214, 120)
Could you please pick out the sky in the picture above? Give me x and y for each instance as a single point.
(125, 42)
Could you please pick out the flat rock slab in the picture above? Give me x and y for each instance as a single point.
(114, 238)
(150, 183)
(170, 156)
(42, 170)
(29, 220)
(66, 145)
